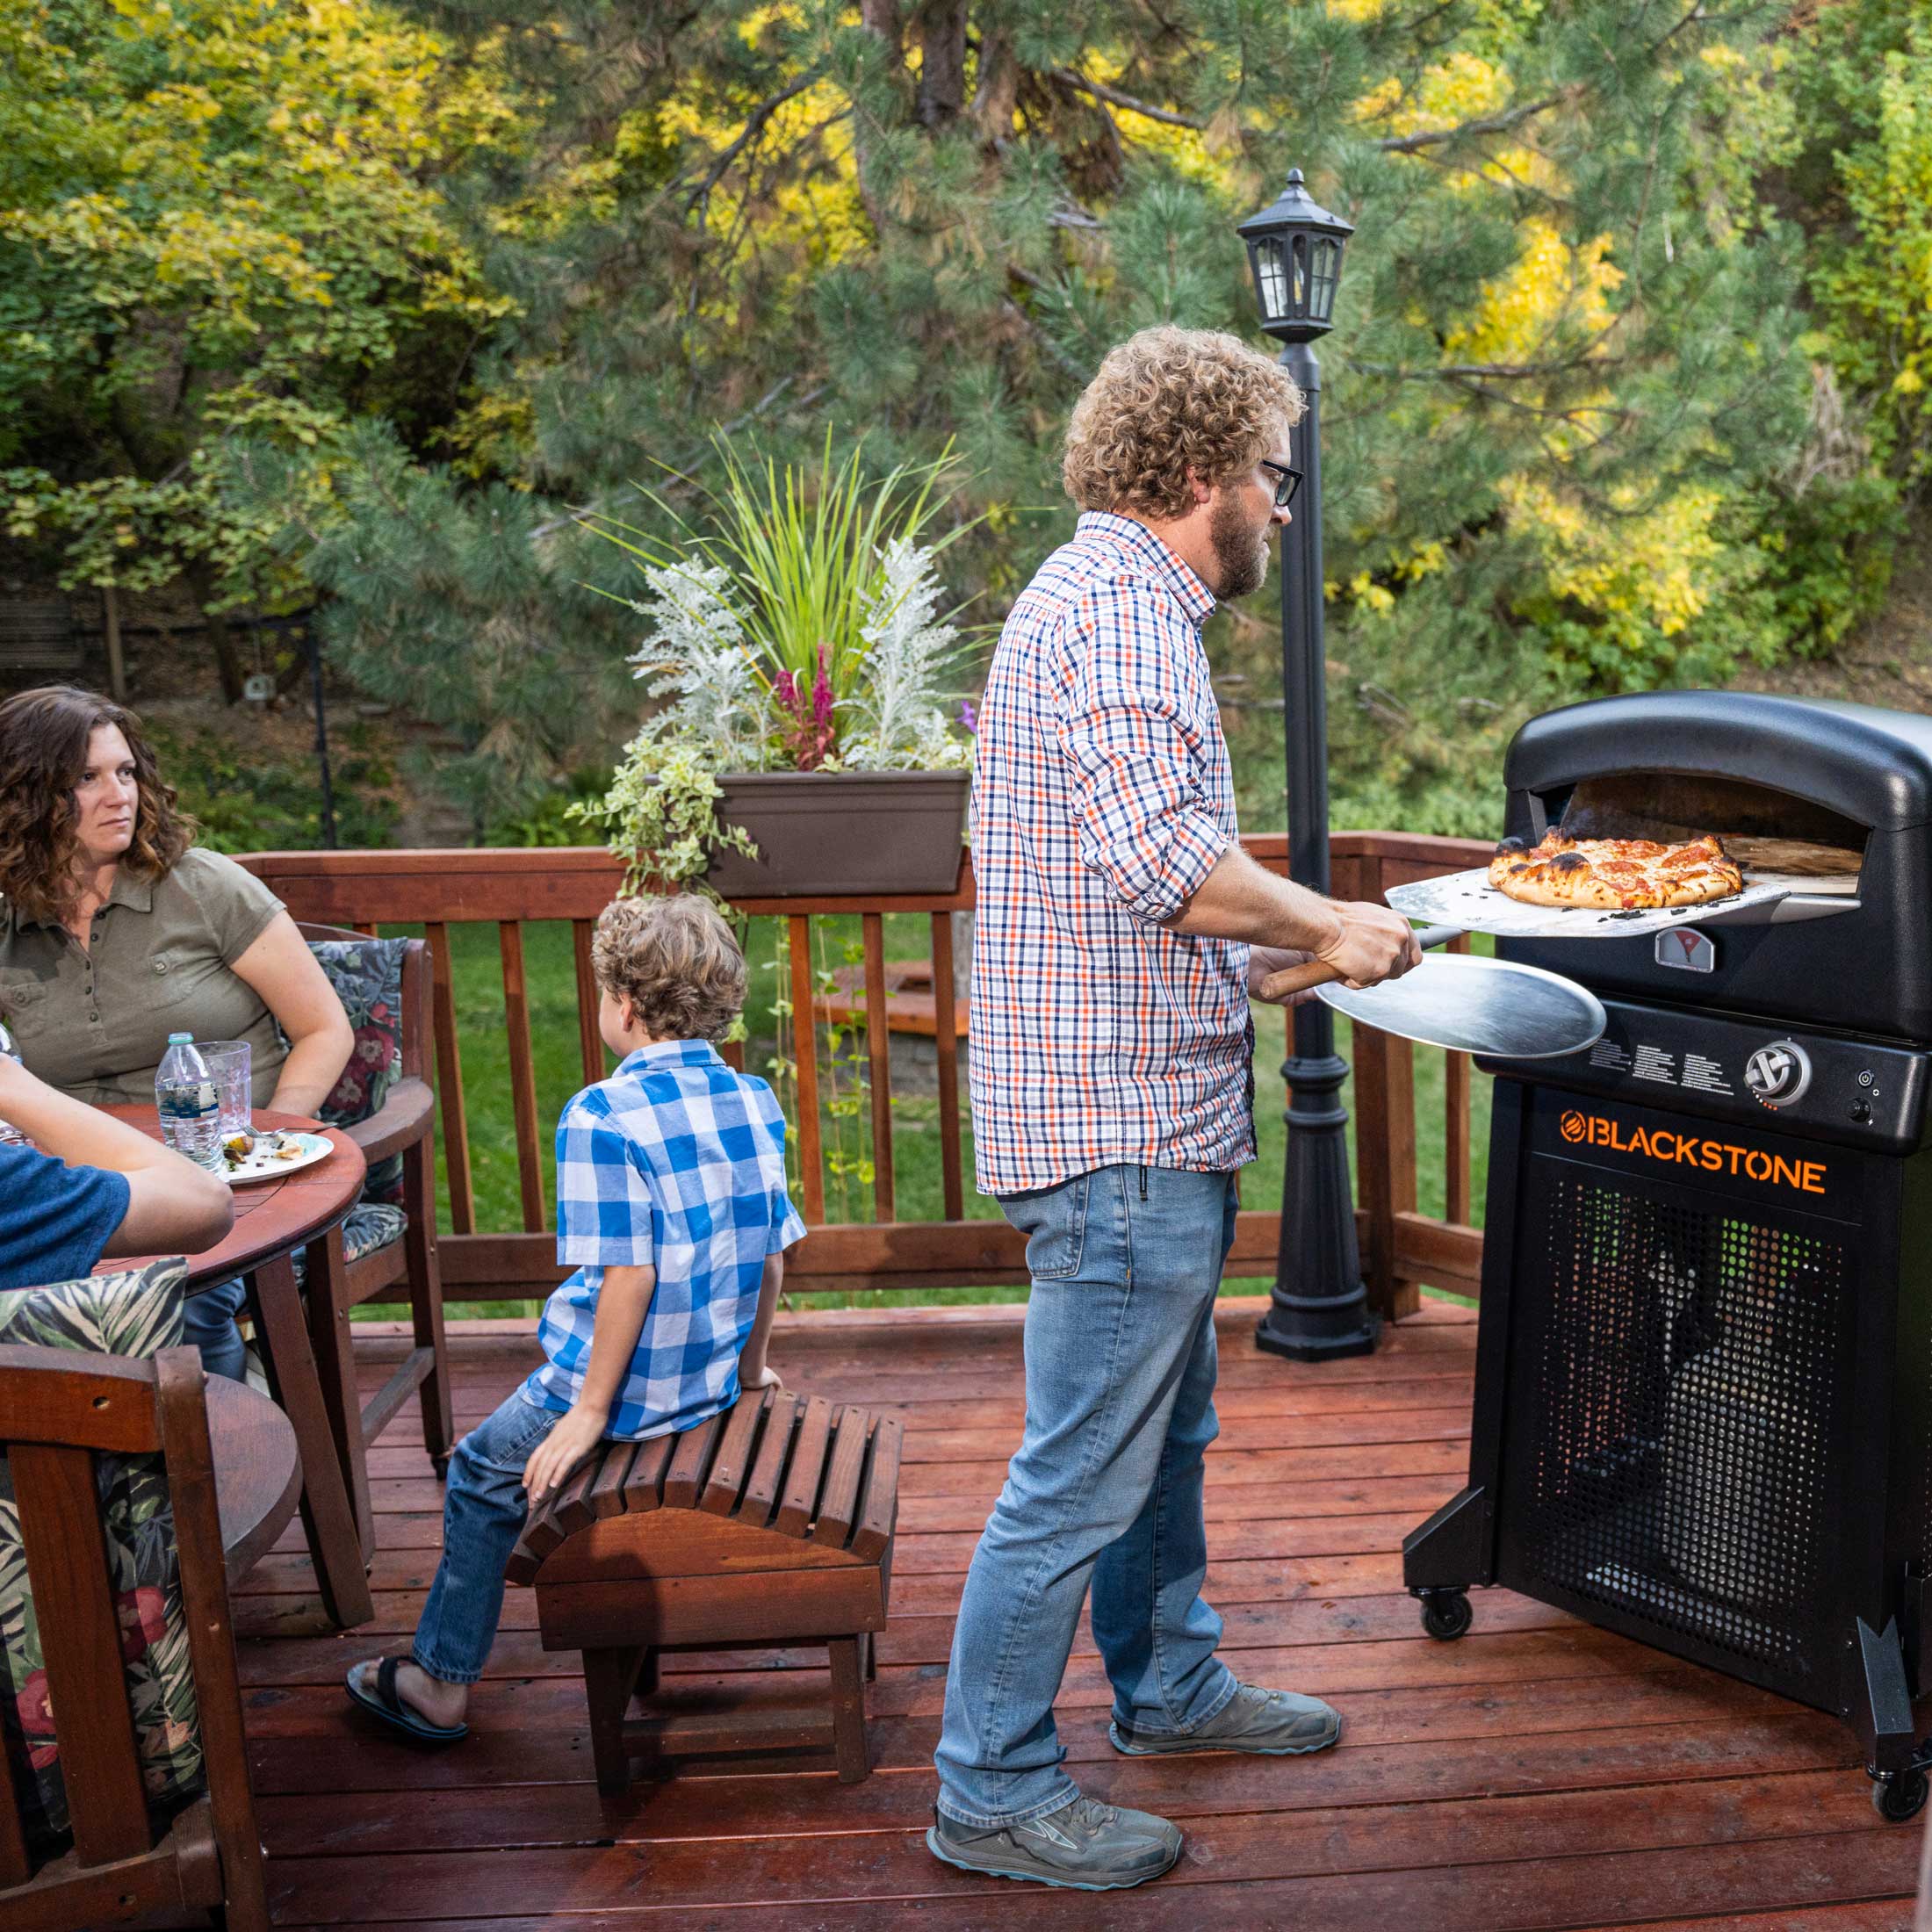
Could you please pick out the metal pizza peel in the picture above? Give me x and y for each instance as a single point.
(1461, 1001)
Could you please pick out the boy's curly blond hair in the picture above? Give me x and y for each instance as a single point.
(674, 959)
(1166, 401)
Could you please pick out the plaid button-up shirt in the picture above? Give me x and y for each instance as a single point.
(674, 1162)
(1102, 796)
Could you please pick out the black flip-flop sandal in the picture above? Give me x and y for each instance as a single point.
(387, 1706)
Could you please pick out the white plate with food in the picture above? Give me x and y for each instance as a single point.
(270, 1155)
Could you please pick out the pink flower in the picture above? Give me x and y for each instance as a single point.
(34, 1707)
(143, 1620)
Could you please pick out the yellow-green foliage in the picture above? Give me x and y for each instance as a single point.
(1629, 370)
(216, 218)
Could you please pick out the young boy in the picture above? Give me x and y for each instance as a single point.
(671, 1200)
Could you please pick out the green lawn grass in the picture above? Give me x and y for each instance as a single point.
(845, 1122)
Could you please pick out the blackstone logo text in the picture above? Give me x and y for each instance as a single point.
(1681, 1149)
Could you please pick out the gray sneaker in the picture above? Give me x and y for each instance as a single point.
(1270, 1723)
(1086, 1844)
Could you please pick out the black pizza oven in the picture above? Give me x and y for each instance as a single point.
(1846, 788)
(1703, 1385)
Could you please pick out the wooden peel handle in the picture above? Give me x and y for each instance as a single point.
(1318, 972)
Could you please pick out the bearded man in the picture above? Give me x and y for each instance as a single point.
(1120, 929)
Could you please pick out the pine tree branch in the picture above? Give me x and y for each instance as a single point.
(753, 128)
(1494, 124)
(1488, 372)
(1114, 97)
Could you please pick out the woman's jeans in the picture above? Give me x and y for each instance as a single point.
(207, 1323)
(483, 1513)
(1105, 1487)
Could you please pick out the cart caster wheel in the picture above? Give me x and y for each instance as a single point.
(1446, 1615)
(1900, 1797)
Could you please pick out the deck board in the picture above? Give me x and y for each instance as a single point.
(1540, 1773)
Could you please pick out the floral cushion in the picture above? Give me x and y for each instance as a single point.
(134, 1313)
(367, 976)
(368, 1225)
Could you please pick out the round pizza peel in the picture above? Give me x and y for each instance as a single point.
(1461, 1001)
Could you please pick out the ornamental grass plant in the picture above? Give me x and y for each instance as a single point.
(798, 628)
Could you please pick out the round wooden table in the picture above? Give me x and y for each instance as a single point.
(257, 1471)
(273, 1219)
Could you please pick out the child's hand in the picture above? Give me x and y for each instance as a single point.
(560, 1451)
(762, 1378)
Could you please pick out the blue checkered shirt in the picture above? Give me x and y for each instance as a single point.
(678, 1163)
(1102, 796)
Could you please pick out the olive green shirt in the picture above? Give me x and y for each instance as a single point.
(94, 1021)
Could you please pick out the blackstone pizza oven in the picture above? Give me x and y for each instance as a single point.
(1704, 1381)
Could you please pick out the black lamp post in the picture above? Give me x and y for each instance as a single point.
(1320, 1303)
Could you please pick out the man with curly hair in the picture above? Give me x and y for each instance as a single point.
(1120, 930)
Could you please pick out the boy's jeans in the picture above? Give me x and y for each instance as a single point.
(483, 1513)
(1106, 1486)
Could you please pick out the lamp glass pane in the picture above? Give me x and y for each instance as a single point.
(1299, 276)
(1328, 273)
(1270, 282)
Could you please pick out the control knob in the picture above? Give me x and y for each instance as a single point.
(1778, 1074)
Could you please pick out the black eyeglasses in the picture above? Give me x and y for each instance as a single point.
(1287, 481)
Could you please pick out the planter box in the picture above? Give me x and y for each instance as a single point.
(828, 834)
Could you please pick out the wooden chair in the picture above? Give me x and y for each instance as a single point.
(770, 1523)
(57, 1410)
(374, 1249)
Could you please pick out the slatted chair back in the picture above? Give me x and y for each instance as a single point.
(378, 1255)
(57, 1412)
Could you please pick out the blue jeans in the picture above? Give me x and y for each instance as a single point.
(483, 1513)
(1106, 1486)
(207, 1323)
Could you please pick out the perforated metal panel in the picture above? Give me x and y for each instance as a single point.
(1673, 1406)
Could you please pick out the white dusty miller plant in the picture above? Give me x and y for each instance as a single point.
(898, 708)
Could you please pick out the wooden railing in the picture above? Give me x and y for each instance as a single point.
(436, 890)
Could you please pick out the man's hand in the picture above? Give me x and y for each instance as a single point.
(1372, 944)
(560, 1451)
(751, 1379)
(1266, 960)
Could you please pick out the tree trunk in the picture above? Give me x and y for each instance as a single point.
(228, 654)
(882, 17)
(998, 93)
(942, 27)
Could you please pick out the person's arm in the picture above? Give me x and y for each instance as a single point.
(1241, 899)
(283, 972)
(173, 1207)
(752, 1370)
(623, 1302)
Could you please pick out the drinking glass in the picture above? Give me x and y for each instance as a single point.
(229, 1067)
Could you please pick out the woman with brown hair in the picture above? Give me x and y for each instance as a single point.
(116, 930)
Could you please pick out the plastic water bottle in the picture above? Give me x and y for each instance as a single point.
(186, 1098)
(10, 1135)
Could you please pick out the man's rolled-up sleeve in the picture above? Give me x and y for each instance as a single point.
(1137, 772)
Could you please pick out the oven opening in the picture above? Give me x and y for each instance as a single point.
(1768, 831)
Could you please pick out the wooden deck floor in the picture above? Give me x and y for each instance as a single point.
(1537, 1773)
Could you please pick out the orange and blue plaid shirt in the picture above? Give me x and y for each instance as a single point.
(1102, 796)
